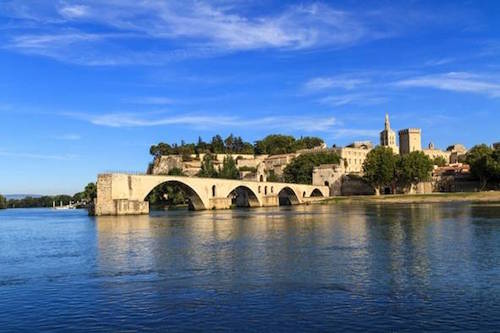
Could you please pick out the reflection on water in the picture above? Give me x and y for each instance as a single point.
(351, 267)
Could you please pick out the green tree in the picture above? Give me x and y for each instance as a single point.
(3, 202)
(161, 149)
(230, 144)
(176, 172)
(484, 164)
(413, 168)
(229, 169)
(90, 192)
(273, 177)
(307, 142)
(301, 168)
(207, 167)
(439, 161)
(248, 168)
(217, 145)
(275, 144)
(379, 168)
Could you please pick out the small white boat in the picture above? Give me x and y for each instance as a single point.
(63, 207)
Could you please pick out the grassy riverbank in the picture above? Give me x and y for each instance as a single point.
(493, 196)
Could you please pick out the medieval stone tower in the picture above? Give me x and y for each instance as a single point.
(410, 139)
(388, 136)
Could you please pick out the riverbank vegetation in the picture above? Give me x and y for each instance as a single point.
(271, 145)
(85, 197)
(3, 202)
(489, 196)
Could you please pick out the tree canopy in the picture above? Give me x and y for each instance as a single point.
(301, 168)
(88, 194)
(413, 168)
(229, 169)
(383, 168)
(207, 167)
(271, 144)
(218, 145)
(439, 161)
(282, 144)
(380, 167)
(484, 164)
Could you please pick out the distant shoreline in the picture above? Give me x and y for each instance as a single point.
(491, 196)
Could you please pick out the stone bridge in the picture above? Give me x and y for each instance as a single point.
(125, 194)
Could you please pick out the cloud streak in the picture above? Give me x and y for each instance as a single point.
(179, 30)
(37, 156)
(455, 81)
(361, 99)
(322, 83)
(366, 89)
(124, 120)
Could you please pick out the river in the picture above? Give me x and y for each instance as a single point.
(425, 267)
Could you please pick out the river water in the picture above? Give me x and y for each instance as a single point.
(426, 267)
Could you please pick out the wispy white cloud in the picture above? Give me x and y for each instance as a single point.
(344, 89)
(455, 81)
(91, 49)
(322, 83)
(176, 30)
(373, 88)
(35, 42)
(73, 11)
(356, 99)
(439, 61)
(37, 156)
(118, 120)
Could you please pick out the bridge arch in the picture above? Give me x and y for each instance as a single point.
(316, 193)
(287, 196)
(195, 199)
(244, 196)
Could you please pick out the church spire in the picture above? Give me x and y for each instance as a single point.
(387, 123)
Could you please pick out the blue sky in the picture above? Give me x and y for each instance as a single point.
(88, 86)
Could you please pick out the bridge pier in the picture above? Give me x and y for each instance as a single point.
(219, 203)
(122, 207)
(270, 201)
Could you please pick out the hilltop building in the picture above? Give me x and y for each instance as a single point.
(353, 155)
(388, 136)
(433, 152)
(410, 139)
